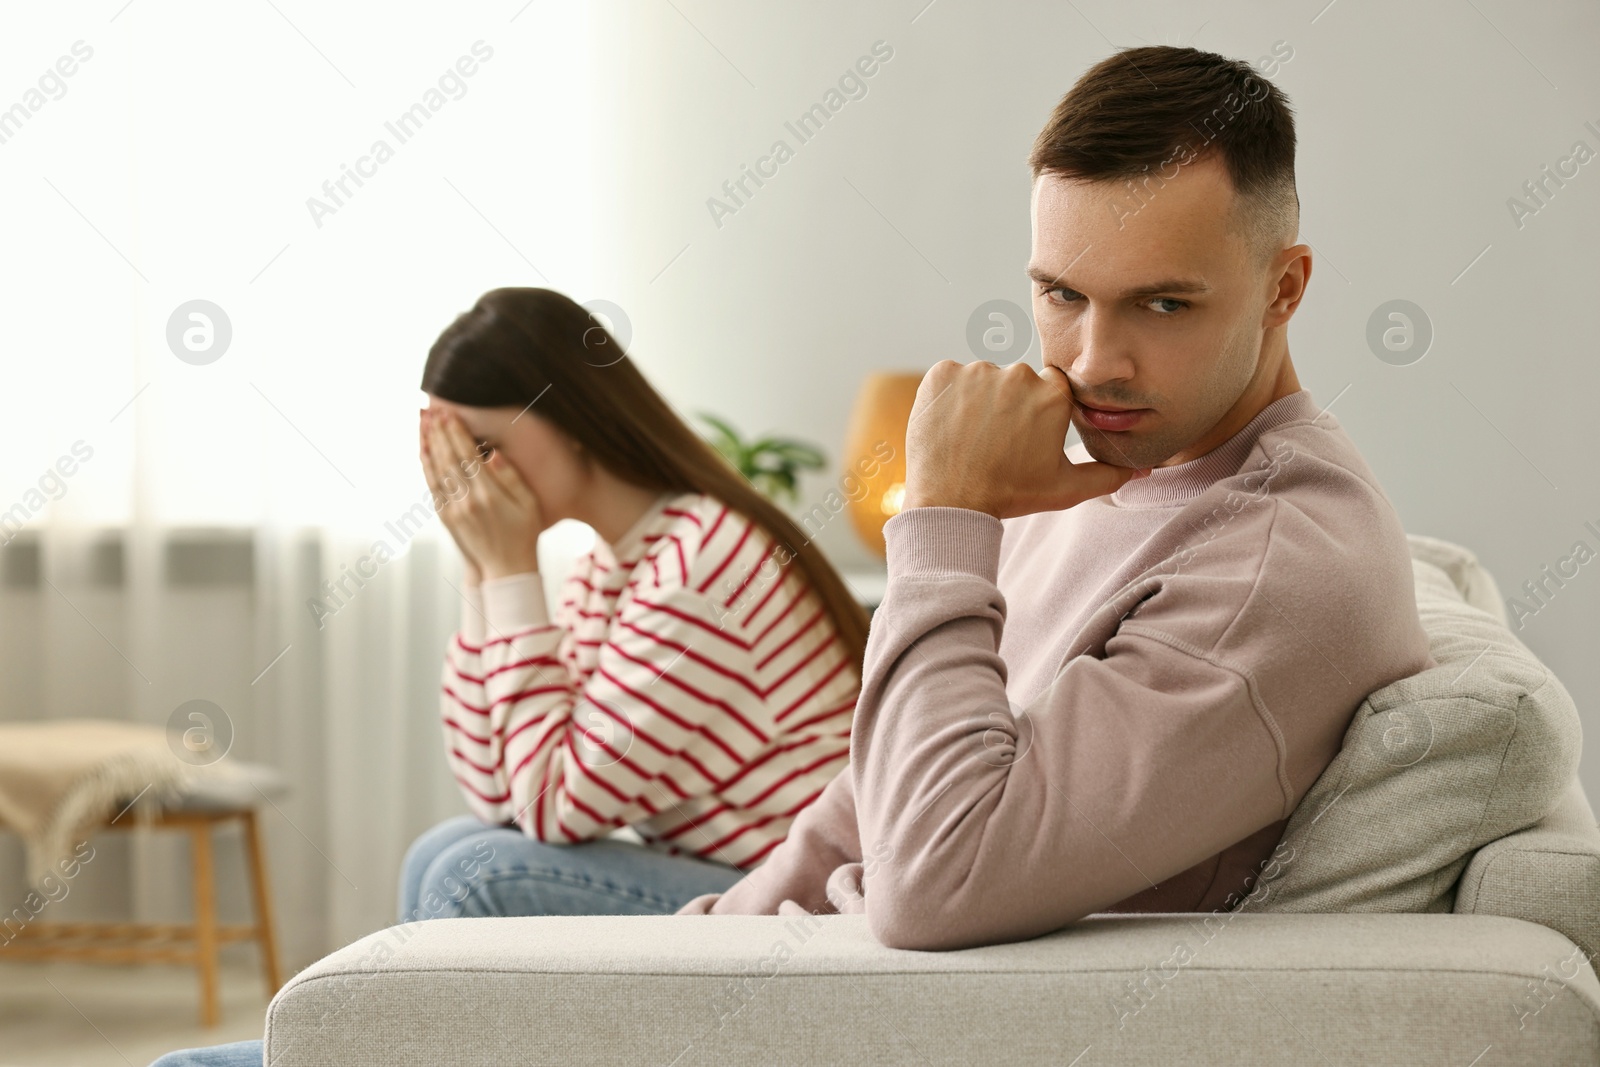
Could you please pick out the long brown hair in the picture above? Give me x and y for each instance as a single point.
(518, 346)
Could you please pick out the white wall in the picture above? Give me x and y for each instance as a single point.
(1416, 123)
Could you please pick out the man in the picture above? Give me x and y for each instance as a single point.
(1101, 679)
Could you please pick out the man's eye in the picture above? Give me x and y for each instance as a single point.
(1062, 295)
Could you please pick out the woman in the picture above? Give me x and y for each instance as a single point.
(696, 684)
(693, 685)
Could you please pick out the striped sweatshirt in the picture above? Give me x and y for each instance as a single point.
(689, 687)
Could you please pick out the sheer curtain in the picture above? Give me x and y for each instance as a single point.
(220, 292)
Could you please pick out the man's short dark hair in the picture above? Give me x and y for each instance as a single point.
(1139, 115)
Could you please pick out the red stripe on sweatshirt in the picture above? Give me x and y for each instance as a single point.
(508, 699)
(748, 619)
(794, 601)
(532, 754)
(821, 716)
(564, 788)
(521, 726)
(464, 758)
(754, 857)
(791, 639)
(762, 760)
(639, 732)
(688, 653)
(728, 839)
(699, 694)
(460, 674)
(705, 538)
(466, 732)
(749, 525)
(825, 643)
(683, 794)
(589, 774)
(675, 719)
(455, 698)
(535, 661)
(695, 822)
(679, 513)
(486, 798)
(538, 805)
(771, 548)
(597, 589)
(809, 693)
(683, 564)
(516, 635)
(683, 616)
(763, 821)
(798, 772)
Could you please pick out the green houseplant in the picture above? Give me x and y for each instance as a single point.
(772, 464)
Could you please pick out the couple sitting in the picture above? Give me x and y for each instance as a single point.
(1102, 677)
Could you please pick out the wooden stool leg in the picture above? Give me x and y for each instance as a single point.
(205, 920)
(266, 936)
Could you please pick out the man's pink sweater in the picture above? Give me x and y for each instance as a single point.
(1110, 708)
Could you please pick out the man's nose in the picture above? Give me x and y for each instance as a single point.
(1102, 353)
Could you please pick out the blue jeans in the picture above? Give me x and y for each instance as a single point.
(463, 867)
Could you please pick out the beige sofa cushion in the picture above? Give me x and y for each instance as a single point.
(1548, 874)
(1435, 766)
(1110, 991)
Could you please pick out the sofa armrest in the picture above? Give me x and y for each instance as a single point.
(683, 990)
(1548, 873)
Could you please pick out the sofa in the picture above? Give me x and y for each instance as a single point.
(1435, 900)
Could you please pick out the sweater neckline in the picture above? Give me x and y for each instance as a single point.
(1177, 484)
(632, 541)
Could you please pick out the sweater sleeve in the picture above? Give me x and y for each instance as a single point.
(821, 841)
(650, 724)
(1000, 823)
(473, 736)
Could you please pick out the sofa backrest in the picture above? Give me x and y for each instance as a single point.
(1434, 766)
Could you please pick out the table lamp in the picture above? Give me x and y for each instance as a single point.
(882, 410)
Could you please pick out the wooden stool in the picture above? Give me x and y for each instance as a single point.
(196, 942)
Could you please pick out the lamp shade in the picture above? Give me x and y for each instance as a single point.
(875, 452)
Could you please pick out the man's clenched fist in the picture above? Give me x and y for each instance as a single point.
(993, 439)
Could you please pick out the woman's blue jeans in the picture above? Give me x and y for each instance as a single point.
(463, 867)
